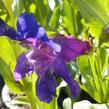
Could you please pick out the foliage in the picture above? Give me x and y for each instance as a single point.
(86, 19)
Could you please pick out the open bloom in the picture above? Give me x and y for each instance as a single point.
(48, 57)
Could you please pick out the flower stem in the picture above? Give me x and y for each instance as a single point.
(29, 94)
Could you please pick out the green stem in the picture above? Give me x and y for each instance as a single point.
(29, 94)
(99, 73)
(94, 76)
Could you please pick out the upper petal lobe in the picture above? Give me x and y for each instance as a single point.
(29, 28)
(71, 47)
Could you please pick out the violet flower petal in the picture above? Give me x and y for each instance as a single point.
(29, 28)
(44, 56)
(62, 70)
(71, 47)
(6, 30)
(22, 67)
(46, 87)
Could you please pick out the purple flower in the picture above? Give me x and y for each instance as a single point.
(27, 27)
(48, 57)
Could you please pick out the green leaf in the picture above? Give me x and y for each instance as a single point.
(8, 77)
(104, 38)
(8, 5)
(54, 21)
(95, 31)
(103, 59)
(85, 69)
(5, 70)
(7, 51)
(3, 11)
(106, 77)
(51, 105)
(10, 51)
(68, 17)
(20, 100)
(17, 7)
(107, 6)
(93, 9)
(106, 81)
(7, 63)
(42, 9)
(89, 78)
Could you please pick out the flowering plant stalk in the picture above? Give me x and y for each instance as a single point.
(47, 57)
(96, 78)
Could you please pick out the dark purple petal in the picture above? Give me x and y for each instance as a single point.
(29, 28)
(62, 70)
(22, 67)
(44, 56)
(6, 30)
(71, 47)
(46, 87)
